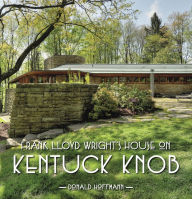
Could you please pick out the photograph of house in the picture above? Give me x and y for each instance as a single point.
(95, 99)
(163, 79)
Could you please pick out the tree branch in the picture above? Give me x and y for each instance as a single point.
(32, 46)
(30, 7)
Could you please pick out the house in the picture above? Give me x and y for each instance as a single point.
(162, 79)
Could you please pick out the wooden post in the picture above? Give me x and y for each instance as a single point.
(152, 83)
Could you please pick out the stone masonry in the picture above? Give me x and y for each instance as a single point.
(39, 107)
(9, 99)
(59, 60)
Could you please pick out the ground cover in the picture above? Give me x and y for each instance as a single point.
(146, 186)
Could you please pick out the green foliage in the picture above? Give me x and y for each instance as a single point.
(87, 78)
(160, 48)
(102, 48)
(77, 79)
(104, 105)
(151, 48)
(134, 99)
(160, 45)
(155, 23)
(74, 78)
(65, 40)
(166, 56)
(111, 98)
(180, 25)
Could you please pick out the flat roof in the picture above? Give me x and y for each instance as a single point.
(41, 72)
(127, 68)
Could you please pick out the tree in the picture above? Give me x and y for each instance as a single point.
(51, 14)
(179, 24)
(65, 40)
(158, 43)
(36, 20)
(133, 42)
(105, 50)
(166, 55)
(155, 27)
(151, 48)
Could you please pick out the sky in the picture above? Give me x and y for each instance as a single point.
(163, 8)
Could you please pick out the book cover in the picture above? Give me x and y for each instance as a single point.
(95, 99)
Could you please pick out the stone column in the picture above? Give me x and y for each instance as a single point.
(152, 83)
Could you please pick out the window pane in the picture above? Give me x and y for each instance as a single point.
(163, 79)
(122, 79)
(176, 79)
(114, 79)
(142, 79)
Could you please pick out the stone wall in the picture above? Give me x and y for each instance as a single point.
(59, 60)
(9, 98)
(173, 89)
(39, 107)
(166, 89)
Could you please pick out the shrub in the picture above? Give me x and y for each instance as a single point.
(110, 100)
(136, 100)
(104, 104)
(131, 98)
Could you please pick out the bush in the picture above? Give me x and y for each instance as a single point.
(137, 101)
(132, 98)
(104, 104)
(110, 100)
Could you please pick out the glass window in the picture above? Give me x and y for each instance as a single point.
(176, 79)
(147, 79)
(32, 80)
(47, 79)
(102, 80)
(40, 79)
(170, 79)
(108, 79)
(130, 79)
(114, 79)
(53, 79)
(142, 79)
(163, 79)
(189, 79)
(136, 79)
(122, 79)
(181, 79)
(156, 79)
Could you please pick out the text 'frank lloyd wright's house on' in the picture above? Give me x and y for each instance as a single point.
(168, 80)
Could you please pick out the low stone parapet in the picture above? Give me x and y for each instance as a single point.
(40, 107)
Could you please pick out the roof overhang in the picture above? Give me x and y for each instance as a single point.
(113, 69)
(43, 72)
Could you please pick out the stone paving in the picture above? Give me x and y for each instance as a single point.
(170, 108)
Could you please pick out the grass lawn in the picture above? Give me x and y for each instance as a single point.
(146, 186)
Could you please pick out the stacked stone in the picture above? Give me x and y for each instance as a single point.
(39, 107)
(9, 98)
(59, 60)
